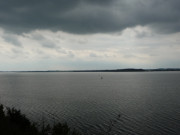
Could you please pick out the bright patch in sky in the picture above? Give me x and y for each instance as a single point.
(46, 50)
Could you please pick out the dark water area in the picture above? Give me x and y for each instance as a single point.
(148, 102)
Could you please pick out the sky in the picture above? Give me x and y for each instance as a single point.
(89, 34)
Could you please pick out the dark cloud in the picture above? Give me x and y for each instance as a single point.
(89, 16)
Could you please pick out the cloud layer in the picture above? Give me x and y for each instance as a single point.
(89, 34)
(137, 47)
(89, 16)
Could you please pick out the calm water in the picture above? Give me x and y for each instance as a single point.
(149, 103)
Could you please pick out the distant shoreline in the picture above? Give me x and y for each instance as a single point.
(107, 70)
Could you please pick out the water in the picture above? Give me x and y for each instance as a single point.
(148, 102)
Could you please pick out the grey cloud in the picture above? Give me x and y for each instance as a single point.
(16, 51)
(89, 16)
(43, 40)
(130, 56)
(70, 54)
(12, 39)
(143, 34)
(93, 55)
(49, 44)
(35, 36)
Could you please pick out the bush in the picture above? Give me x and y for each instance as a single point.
(13, 122)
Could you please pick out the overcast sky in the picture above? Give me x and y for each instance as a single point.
(89, 34)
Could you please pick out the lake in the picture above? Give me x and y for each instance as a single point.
(148, 103)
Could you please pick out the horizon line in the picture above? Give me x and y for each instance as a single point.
(101, 70)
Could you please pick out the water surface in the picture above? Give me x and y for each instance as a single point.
(148, 102)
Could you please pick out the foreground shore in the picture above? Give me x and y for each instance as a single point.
(13, 122)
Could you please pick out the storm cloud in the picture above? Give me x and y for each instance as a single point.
(89, 16)
(89, 34)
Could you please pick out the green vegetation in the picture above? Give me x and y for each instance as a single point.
(13, 122)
